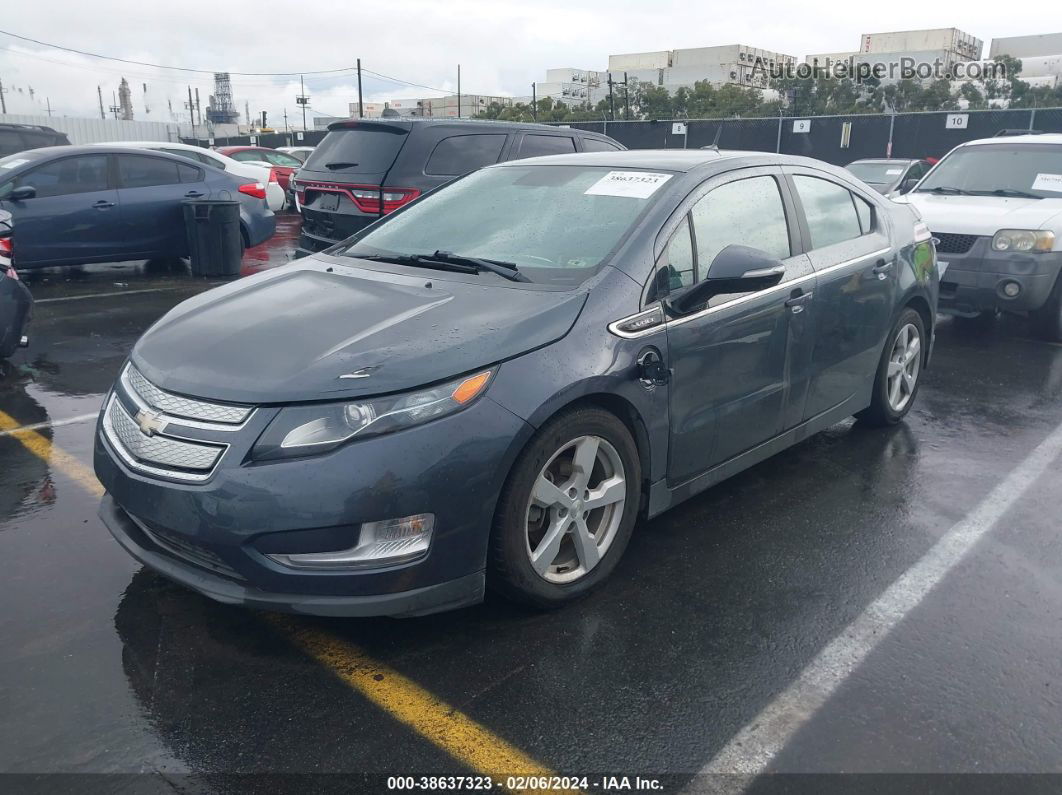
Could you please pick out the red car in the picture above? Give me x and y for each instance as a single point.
(284, 165)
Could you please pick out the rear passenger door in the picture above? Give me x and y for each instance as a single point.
(739, 365)
(848, 242)
(152, 190)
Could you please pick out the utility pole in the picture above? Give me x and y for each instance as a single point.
(191, 113)
(611, 99)
(626, 100)
(198, 115)
(459, 91)
(115, 108)
(48, 101)
(302, 99)
(99, 92)
(3, 102)
(361, 107)
(534, 101)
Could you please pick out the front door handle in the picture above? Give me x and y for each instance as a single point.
(193, 194)
(798, 300)
(103, 204)
(881, 267)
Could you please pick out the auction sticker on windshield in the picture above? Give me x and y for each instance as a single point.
(631, 184)
(1051, 182)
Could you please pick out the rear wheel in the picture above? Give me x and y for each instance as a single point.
(1047, 320)
(899, 369)
(567, 511)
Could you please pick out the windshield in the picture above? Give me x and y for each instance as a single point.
(362, 150)
(557, 223)
(1035, 169)
(877, 173)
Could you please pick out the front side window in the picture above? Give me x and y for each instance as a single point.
(746, 212)
(829, 210)
(136, 171)
(460, 154)
(557, 223)
(67, 176)
(281, 159)
(248, 157)
(676, 267)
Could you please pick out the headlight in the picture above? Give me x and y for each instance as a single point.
(1023, 240)
(305, 430)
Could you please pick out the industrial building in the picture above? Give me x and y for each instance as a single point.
(734, 64)
(946, 46)
(1040, 55)
(574, 86)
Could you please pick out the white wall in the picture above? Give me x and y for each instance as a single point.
(87, 131)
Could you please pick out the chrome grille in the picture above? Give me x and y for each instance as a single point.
(178, 406)
(954, 244)
(161, 455)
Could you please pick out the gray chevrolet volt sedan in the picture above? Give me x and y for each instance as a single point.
(490, 386)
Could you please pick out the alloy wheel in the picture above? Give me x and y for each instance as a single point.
(905, 361)
(575, 509)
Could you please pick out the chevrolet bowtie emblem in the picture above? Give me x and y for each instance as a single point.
(150, 422)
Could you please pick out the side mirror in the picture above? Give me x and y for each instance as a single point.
(907, 184)
(735, 269)
(22, 192)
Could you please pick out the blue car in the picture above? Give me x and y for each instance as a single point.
(82, 204)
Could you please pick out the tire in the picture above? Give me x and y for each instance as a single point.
(885, 408)
(523, 519)
(1047, 320)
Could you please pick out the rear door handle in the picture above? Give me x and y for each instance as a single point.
(193, 194)
(103, 204)
(882, 267)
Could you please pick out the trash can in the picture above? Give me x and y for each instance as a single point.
(215, 243)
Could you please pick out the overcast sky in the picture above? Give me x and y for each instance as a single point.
(502, 47)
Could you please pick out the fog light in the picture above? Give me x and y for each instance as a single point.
(384, 543)
(1011, 289)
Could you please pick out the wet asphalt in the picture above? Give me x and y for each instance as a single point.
(716, 608)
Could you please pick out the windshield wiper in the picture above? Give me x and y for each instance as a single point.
(1021, 194)
(500, 267)
(415, 260)
(944, 189)
(340, 164)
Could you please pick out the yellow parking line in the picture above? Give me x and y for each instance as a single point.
(454, 732)
(42, 447)
(429, 716)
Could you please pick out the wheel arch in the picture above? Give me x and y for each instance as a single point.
(919, 304)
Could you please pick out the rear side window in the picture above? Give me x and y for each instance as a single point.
(281, 159)
(135, 171)
(248, 157)
(746, 212)
(535, 145)
(829, 209)
(11, 142)
(594, 145)
(68, 176)
(363, 150)
(460, 154)
(190, 173)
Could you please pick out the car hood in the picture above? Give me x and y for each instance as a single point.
(983, 215)
(290, 334)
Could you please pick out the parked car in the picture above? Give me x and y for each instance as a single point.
(275, 196)
(889, 176)
(16, 303)
(995, 205)
(298, 152)
(493, 383)
(16, 138)
(283, 164)
(82, 204)
(339, 187)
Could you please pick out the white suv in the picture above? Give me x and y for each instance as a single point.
(995, 206)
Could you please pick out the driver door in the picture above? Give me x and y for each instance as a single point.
(740, 364)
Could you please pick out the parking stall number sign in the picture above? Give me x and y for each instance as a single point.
(678, 128)
(802, 125)
(628, 184)
(957, 121)
(298, 136)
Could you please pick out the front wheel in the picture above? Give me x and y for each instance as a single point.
(567, 511)
(1047, 320)
(899, 369)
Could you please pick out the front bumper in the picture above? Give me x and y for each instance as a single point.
(215, 536)
(449, 595)
(974, 279)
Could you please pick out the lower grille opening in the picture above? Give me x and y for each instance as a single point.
(186, 550)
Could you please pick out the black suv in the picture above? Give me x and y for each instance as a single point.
(365, 169)
(16, 138)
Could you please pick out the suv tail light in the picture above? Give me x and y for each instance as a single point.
(6, 248)
(366, 198)
(273, 175)
(256, 189)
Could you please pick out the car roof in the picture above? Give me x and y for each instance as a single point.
(1042, 138)
(886, 160)
(667, 159)
(407, 123)
(91, 149)
(152, 144)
